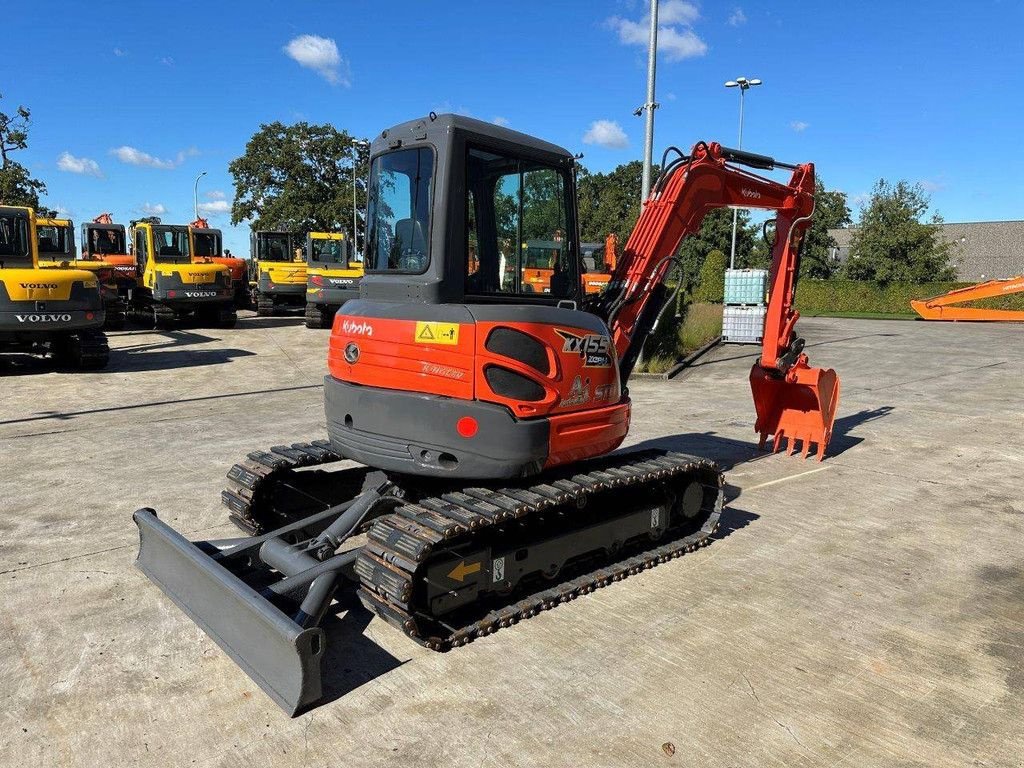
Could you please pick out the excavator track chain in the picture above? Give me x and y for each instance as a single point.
(265, 492)
(398, 566)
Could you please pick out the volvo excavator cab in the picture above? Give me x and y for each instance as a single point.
(54, 309)
(332, 276)
(56, 238)
(277, 271)
(485, 412)
(172, 286)
(207, 248)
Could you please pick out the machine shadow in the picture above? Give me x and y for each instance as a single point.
(137, 360)
(728, 452)
(284, 321)
(350, 659)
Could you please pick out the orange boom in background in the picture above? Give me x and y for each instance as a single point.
(945, 307)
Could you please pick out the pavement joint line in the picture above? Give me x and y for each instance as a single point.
(784, 479)
(81, 555)
(111, 409)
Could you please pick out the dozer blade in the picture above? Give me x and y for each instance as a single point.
(277, 653)
(800, 408)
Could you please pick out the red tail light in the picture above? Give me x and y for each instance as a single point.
(317, 280)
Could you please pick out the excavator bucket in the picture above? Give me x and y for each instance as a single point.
(799, 408)
(281, 656)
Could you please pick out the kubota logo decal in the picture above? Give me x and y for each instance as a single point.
(752, 194)
(357, 329)
(61, 318)
(47, 286)
(593, 348)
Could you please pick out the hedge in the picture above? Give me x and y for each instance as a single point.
(823, 297)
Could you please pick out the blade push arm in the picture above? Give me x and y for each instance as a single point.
(687, 190)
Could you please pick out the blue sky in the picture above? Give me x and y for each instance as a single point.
(131, 103)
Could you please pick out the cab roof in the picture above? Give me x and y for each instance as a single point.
(436, 128)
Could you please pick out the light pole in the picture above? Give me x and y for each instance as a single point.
(650, 105)
(195, 195)
(355, 160)
(744, 85)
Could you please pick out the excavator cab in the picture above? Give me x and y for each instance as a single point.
(207, 248)
(277, 271)
(333, 274)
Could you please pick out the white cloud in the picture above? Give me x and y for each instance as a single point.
(799, 126)
(606, 133)
(676, 38)
(217, 206)
(119, 52)
(677, 12)
(502, 121)
(153, 209)
(932, 185)
(215, 194)
(737, 17)
(71, 164)
(133, 156)
(321, 55)
(167, 61)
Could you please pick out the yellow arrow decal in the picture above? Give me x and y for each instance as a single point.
(462, 570)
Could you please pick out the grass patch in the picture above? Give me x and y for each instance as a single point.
(703, 322)
(675, 339)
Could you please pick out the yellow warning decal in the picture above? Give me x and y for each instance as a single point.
(437, 333)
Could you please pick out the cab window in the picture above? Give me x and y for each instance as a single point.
(53, 241)
(398, 213)
(516, 215)
(14, 244)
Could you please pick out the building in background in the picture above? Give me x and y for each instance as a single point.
(983, 250)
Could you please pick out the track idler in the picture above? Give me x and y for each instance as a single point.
(798, 406)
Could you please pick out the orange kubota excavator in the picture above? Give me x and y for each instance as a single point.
(484, 414)
(945, 307)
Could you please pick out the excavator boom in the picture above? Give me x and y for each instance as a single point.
(792, 400)
(945, 307)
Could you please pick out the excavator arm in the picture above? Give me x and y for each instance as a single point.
(945, 307)
(792, 400)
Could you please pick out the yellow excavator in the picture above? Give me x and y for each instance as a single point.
(171, 287)
(277, 271)
(56, 241)
(207, 248)
(54, 310)
(332, 277)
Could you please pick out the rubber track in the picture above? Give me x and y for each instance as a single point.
(250, 492)
(400, 544)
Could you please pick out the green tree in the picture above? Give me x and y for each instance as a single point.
(711, 287)
(298, 178)
(610, 202)
(17, 187)
(893, 242)
(716, 235)
(830, 212)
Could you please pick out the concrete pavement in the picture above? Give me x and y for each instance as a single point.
(867, 611)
